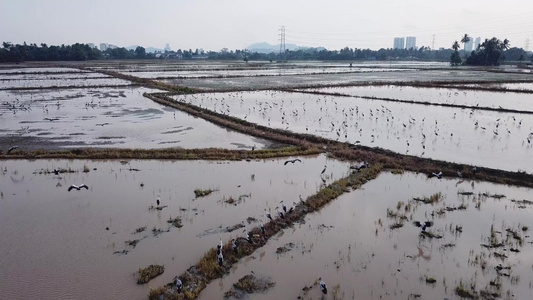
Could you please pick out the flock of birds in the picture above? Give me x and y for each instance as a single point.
(405, 128)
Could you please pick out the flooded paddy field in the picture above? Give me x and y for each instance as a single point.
(519, 86)
(17, 70)
(106, 117)
(364, 245)
(89, 244)
(450, 96)
(203, 65)
(54, 77)
(255, 73)
(467, 136)
(294, 81)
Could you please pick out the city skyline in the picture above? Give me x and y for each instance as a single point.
(213, 25)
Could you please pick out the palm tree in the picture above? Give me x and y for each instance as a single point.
(455, 58)
(506, 44)
(465, 39)
(456, 46)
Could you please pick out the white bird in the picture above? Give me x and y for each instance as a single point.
(292, 207)
(247, 237)
(280, 213)
(78, 187)
(292, 161)
(11, 149)
(219, 246)
(179, 285)
(283, 206)
(323, 286)
(262, 227)
(158, 201)
(234, 246)
(220, 258)
(268, 214)
(438, 175)
(423, 225)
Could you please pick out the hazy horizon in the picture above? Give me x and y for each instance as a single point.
(213, 25)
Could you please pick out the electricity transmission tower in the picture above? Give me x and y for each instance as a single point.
(527, 45)
(282, 43)
(433, 43)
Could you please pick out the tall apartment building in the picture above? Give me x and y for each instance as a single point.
(469, 45)
(477, 42)
(410, 42)
(103, 47)
(399, 43)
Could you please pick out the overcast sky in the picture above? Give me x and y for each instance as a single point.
(235, 24)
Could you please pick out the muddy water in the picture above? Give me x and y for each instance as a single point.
(472, 137)
(55, 244)
(350, 245)
(491, 99)
(108, 117)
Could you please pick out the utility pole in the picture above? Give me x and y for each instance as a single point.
(433, 43)
(527, 45)
(282, 43)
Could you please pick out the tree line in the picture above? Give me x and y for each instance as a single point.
(490, 52)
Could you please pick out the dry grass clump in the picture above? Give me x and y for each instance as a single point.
(462, 292)
(431, 199)
(149, 273)
(176, 222)
(201, 193)
(247, 285)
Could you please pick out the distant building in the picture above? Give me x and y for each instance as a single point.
(167, 48)
(103, 47)
(91, 45)
(399, 43)
(410, 42)
(111, 46)
(469, 45)
(477, 42)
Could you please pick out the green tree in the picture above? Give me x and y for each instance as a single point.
(455, 58)
(140, 52)
(489, 53)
